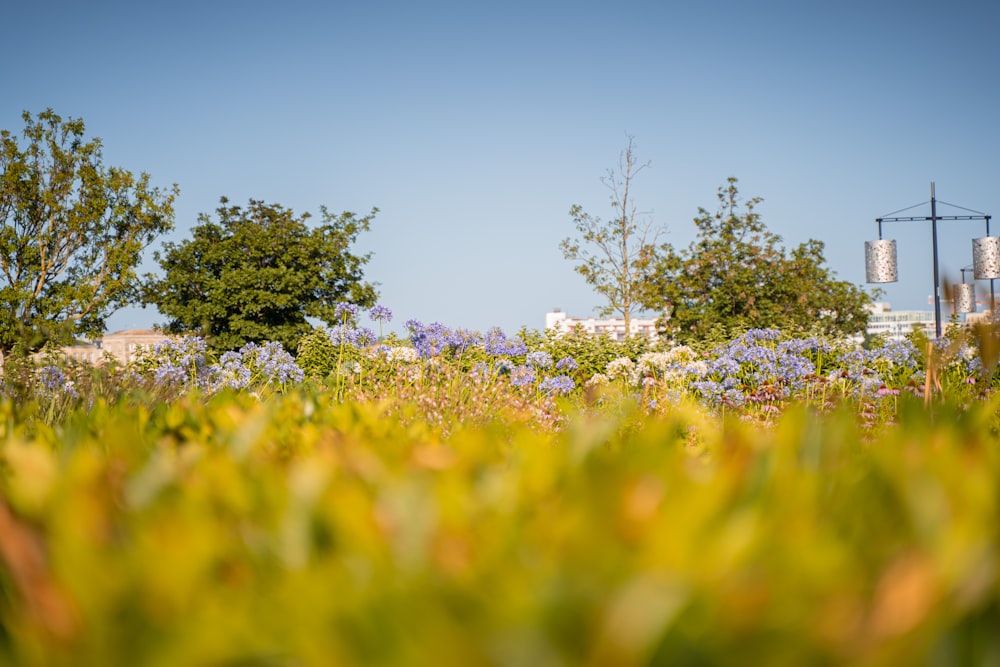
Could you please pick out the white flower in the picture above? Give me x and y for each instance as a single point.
(401, 353)
(621, 367)
(597, 379)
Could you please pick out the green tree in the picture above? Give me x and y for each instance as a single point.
(613, 255)
(737, 276)
(258, 273)
(71, 233)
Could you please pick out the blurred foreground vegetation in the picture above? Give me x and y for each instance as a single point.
(306, 530)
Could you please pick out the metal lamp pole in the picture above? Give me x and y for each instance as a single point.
(934, 218)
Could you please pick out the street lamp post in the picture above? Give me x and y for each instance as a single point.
(880, 255)
(965, 294)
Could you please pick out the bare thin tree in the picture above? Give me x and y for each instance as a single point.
(614, 255)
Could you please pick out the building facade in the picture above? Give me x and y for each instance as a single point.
(123, 346)
(897, 324)
(613, 327)
(884, 321)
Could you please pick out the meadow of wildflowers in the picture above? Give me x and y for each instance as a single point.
(471, 498)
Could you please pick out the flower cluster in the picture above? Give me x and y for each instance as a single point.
(497, 344)
(380, 314)
(567, 365)
(52, 382)
(621, 368)
(539, 360)
(523, 376)
(436, 339)
(560, 384)
(868, 371)
(269, 365)
(398, 353)
(345, 313)
(352, 336)
(176, 361)
(759, 371)
(183, 362)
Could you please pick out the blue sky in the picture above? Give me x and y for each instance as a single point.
(474, 127)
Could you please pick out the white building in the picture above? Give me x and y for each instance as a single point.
(613, 327)
(893, 324)
(121, 345)
(896, 324)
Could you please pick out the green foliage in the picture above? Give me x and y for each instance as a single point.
(591, 353)
(736, 276)
(71, 233)
(258, 273)
(317, 354)
(613, 255)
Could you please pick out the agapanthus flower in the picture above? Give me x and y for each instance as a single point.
(567, 364)
(461, 340)
(560, 384)
(597, 379)
(399, 353)
(52, 378)
(503, 367)
(522, 376)
(229, 372)
(345, 312)
(496, 343)
(169, 374)
(480, 371)
(542, 360)
(187, 352)
(53, 381)
(380, 313)
(344, 335)
(621, 367)
(365, 337)
(435, 338)
(271, 363)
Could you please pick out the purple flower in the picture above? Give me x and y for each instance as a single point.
(345, 312)
(229, 372)
(433, 339)
(522, 376)
(271, 363)
(344, 335)
(540, 360)
(187, 352)
(497, 344)
(380, 314)
(54, 381)
(429, 340)
(169, 374)
(561, 384)
(462, 339)
(364, 337)
(503, 366)
(52, 378)
(567, 364)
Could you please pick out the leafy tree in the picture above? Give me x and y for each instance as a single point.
(737, 276)
(258, 273)
(71, 233)
(614, 254)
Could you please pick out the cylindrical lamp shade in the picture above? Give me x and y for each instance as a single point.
(880, 261)
(986, 257)
(965, 297)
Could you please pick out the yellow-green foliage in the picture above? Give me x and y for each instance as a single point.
(302, 531)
